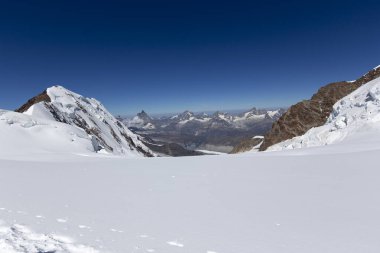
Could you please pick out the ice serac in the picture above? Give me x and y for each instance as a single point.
(65, 106)
(301, 117)
(354, 117)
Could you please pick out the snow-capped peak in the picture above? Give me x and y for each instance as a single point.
(186, 115)
(60, 104)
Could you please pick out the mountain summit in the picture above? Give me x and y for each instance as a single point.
(62, 105)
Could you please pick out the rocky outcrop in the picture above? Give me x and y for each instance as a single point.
(247, 145)
(301, 117)
(43, 97)
(144, 116)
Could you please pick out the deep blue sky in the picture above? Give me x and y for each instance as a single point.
(165, 56)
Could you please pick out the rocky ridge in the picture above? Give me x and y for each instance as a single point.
(301, 117)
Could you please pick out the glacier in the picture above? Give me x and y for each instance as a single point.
(321, 199)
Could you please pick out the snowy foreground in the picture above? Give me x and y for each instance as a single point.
(308, 200)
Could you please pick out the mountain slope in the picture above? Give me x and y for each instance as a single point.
(353, 117)
(314, 112)
(62, 105)
(24, 135)
(248, 145)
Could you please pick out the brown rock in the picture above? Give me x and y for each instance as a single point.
(246, 145)
(43, 97)
(301, 117)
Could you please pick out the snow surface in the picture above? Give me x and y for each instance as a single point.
(22, 135)
(319, 199)
(355, 116)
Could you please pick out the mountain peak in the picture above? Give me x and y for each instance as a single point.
(186, 115)
(62, 105)
(144, 116)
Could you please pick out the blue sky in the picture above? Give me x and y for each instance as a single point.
(168, 56)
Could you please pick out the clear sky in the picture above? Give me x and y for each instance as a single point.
(168, 56)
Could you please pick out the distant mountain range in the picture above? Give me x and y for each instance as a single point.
(219, 131)
(143, 121)
(61, 121)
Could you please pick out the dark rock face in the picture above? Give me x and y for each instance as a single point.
(314, 112)
(144, 116)
(43, 97)
(172, 149)
(246, 145)
(162, 148)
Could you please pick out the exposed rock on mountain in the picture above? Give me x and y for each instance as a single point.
(354, 118)
(301, 117)
(43, 97)
(248, 145)
(169, 149)
(62, 105)
(141, 120)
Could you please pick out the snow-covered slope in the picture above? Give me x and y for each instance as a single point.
(307, 200)
(23, 135)
(89, 114)
(353, 116)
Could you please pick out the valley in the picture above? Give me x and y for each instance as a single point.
(219, 131)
